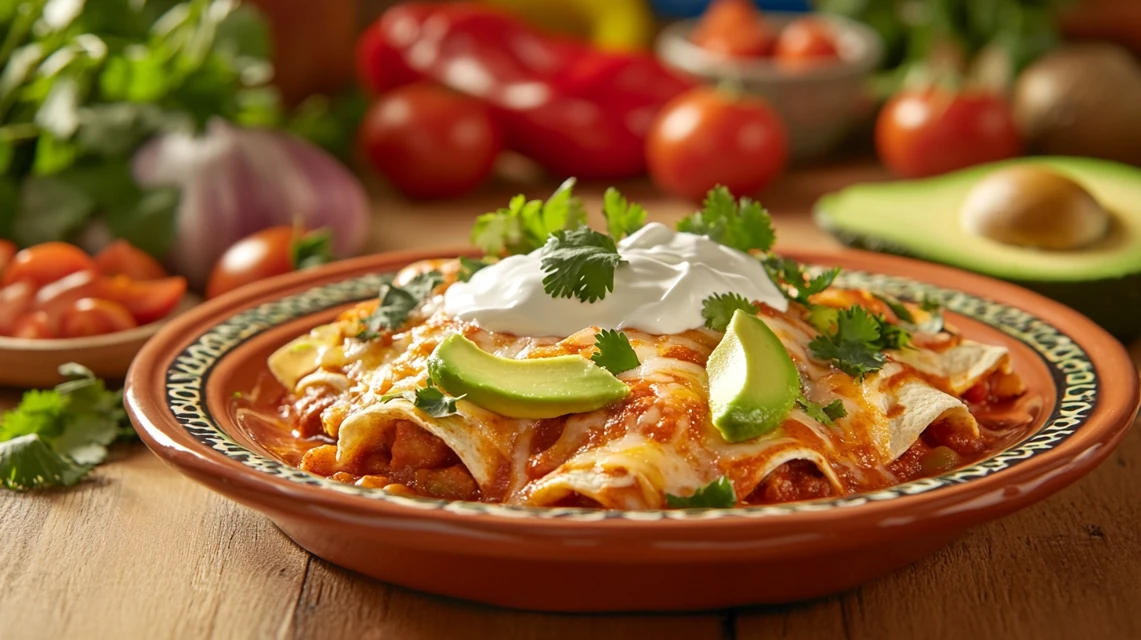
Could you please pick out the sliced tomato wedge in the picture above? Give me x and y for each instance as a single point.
(146, 300)
(56, 297)
(7, 252)
(45, 263)
(93, 317)
(15, 300)
(121, 258)
(33, 325)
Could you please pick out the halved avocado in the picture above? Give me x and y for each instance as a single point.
(937, 219)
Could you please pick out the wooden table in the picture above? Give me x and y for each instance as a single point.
(139, 551)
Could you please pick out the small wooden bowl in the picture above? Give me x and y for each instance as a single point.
(26, 363)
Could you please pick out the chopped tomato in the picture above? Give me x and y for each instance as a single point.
(7, 251)
(147, 300)
(121, 258)
(46, 263)
(15, 300)
(58, 296)
(34, 325)
(93, 317)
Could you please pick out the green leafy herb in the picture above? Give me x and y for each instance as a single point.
(622, 217)
(396, 303)
(430, 399)
(312, 250)
(796, 285)
(718, 494)
(53, 438)
(524, 225)
(897, 307)
(857, 342)
(614, 351)
(468, 267)
(744, 225)
(718, 309)
(827, 414)
(935, 322)
(580, 263)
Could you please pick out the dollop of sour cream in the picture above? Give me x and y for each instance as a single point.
(659, 289)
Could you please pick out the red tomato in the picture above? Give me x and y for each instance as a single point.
(58, 296)
(805, 42)
(46, 263)
(928, 132)
(7, 251)
(93, 317)
(262, 255)
(733, 28)
(121, 258)
(33, 325)
(430, 142)
(15, 300)
(146, 300)
(707, 137)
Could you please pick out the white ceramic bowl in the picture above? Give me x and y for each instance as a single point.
(818, 104)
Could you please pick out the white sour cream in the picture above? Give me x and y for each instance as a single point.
(658, 290)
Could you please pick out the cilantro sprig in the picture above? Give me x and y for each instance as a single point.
(470, 266)
(824, 414)
(430, 399)
(580, 263)
(718, 309)
(718, 494)
(524, 225)
(741, 224)
(857, 340)
(396, 303)
(792, 280)
(55, 437)
(614, 351)
(622, 217)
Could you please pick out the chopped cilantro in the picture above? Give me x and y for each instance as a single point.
(718, 494)
(857, 342)
(311, 250)
(718, 309)
(430, 399)
(744, 225)
(468, 267)
(788, 273)
(396, 303)
(53, 438)
(580, 263)
(622, 217)
(826, 415)
(523, 225)
(614, 352)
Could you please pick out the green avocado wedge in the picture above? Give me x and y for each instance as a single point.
(753, 382)
(921, 219)
(533, 388)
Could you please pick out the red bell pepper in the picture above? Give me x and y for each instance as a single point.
(573, 109)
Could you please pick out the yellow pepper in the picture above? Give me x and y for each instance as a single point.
(613, 25)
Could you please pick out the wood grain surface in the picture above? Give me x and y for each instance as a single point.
(139, 551)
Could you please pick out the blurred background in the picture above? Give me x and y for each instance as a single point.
(182, 128)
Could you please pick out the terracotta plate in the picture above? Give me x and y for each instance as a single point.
(179, 392)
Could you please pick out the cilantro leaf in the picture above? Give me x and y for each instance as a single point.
(718, 494)
(897, 307)
(826, 415)
(468, 267)
(857, 343)
(743, 224)
(622, 217)
(580, 264)
(311, 250)
(718, 309)
(396, 303)
(524, 225)
(27, 462)
(614, 352)
(433, 401)
(786, 273)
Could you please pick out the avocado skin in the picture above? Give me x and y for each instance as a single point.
(1113, 303)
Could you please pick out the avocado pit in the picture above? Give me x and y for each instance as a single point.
(1032, 206)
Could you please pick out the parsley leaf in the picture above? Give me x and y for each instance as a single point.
(614, 352)
(622, 217)
(311, 250)
(524, 225)
(856, 345)
(718, 309)
(826, 415)
(718, 494)
(787, 273)
(744, 225)
(580, 264)
(468, 267)
(396, 303)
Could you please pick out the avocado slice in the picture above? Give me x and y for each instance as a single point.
(531, 388)
(923, 219)
(753, 382)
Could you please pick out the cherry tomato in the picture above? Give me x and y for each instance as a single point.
(46, 263)
(262, 255)
(93, 317)
(146, 300)
(932, 131)
(121, 258)
(56, 297)
(7, 251)
(707, 137)
(734, 29)
(15, 300)
(805, 42)
(430, 142)
(33, 325)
